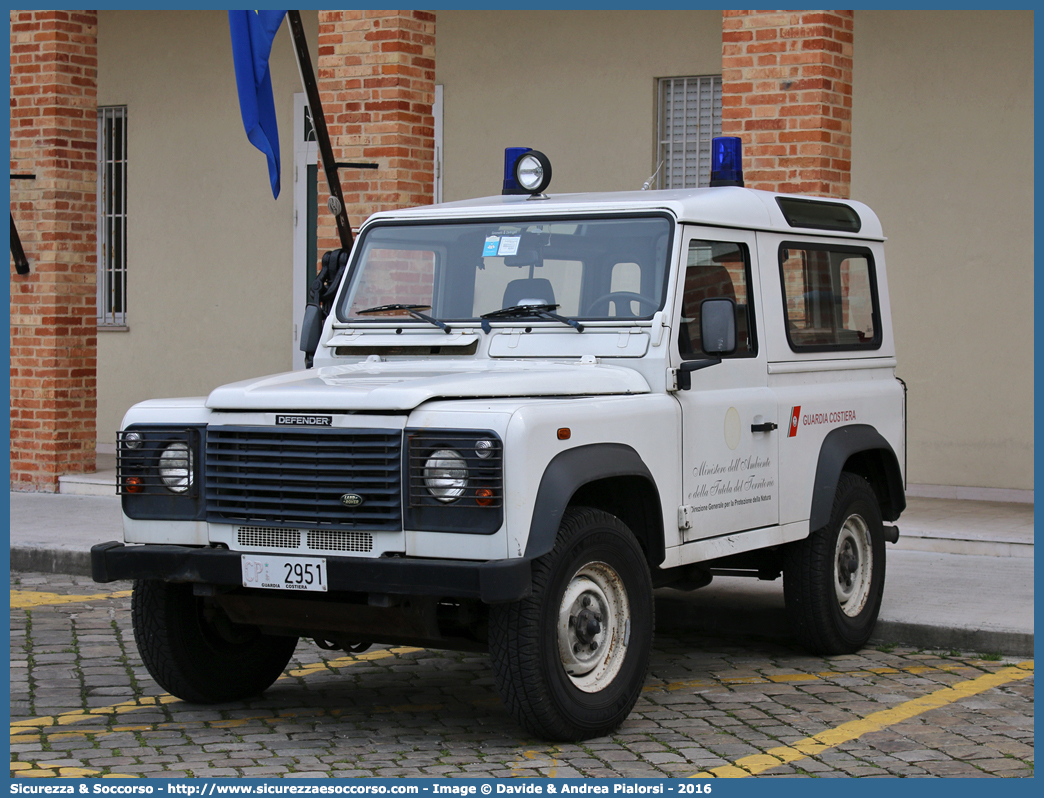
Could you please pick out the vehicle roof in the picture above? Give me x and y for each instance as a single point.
(744, 208)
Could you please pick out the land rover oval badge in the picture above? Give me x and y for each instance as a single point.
(351, 500)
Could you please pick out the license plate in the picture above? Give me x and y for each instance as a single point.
(284, 573)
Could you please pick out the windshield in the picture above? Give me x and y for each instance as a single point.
(590, 268)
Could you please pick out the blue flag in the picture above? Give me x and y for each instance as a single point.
(252, 36)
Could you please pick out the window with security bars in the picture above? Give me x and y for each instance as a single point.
(112, 216)
(689, 113)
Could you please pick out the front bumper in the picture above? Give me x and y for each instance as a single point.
(491, 582)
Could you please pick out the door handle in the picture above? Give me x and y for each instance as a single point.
(768, 426)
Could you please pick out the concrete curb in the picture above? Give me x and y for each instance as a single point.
(757, 617)
(51, 561)
(937, 638)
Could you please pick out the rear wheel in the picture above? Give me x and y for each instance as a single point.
(195, 652)
(834, 579)
(570, 660)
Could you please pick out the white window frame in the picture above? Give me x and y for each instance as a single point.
(436, 112)
(688, 112)
(112, 223)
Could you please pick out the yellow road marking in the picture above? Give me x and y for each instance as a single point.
(24, 599)
(518, 770)
(21, 728)
(35, 725)
(746, 766)
(56, 770)
(854, 729)
(53, 735)
(802, 677)
(351, 659)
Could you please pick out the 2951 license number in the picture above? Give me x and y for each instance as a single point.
(284, 573)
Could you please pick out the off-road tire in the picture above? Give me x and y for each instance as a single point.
(816, 573)
(595, 563)
(194, 652)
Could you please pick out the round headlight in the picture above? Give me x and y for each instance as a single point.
(533, 172)
(446, 475)
(175, 467)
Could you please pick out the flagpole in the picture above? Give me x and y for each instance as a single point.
(322, 135)
(20, 260)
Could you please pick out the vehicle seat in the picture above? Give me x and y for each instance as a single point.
(707, 282)
(529, 291)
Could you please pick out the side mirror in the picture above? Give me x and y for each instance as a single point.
(718, 326)
(311, 330)
(718, 336)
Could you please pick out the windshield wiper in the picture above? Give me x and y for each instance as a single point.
(542, 311)
(412, 310)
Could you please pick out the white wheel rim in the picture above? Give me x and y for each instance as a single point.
(853, 565)
(594, 627)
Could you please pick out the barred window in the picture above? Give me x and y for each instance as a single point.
(112, 216)
(689, 113)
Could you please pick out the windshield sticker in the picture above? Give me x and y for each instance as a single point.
(490, 249)
(509, 245)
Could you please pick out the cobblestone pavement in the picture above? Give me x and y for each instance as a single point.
(82, 704)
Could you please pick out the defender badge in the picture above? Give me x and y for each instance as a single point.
(298, 420)
(351, 500)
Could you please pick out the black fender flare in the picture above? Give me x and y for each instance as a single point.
(569, 471)
(841, 444)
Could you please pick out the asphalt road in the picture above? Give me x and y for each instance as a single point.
(82, 704)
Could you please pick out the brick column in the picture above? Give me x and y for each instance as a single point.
(376, 76)
(54, 66)
(787, 92)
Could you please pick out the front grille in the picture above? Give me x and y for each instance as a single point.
(266, 477)
(328, 540)
(268, 538)
(316, 540)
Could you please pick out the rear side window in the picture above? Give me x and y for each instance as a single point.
(716, 269)
(829, 297)
(818, 214)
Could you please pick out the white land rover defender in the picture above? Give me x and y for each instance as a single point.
(525, 413)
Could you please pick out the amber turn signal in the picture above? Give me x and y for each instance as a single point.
(134, 485)
(564, 433)
(484, 497)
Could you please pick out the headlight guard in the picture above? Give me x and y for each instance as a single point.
(159, 471)
(455, 479)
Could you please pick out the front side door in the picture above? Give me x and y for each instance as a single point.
(729, 415)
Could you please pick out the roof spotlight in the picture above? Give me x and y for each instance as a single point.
(526, 171)
(533, 172)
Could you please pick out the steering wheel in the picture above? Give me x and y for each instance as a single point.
(622, 296)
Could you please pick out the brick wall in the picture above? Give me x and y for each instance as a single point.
(54, 63)
(787, 92)
(376, 76)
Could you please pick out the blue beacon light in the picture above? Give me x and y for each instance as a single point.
(726, 161)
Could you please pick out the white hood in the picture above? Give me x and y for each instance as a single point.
(405, 385)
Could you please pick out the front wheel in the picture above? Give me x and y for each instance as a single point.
(570, 660)
(833, 580)
(195, 652)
